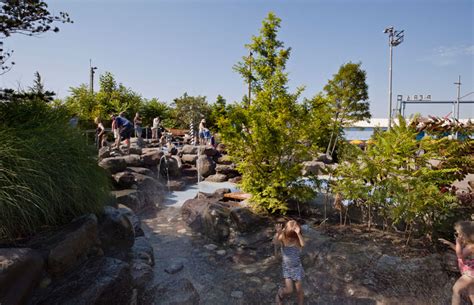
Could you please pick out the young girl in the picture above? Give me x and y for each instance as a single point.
(291, 243)
(464, 248)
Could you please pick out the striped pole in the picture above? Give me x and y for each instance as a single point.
(191, 132)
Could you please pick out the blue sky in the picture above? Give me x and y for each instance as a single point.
(165, 48)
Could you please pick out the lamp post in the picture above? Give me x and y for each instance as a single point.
(91, 71)
(394, 39)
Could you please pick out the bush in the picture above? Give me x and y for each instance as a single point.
(47, 174)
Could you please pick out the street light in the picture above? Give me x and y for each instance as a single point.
(394, 39)
(91, 74)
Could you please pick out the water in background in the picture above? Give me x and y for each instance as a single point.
(359, 133)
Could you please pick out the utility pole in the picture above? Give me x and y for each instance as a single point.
(394, 39)
(458, 99)
(250, 77)
(91, 80)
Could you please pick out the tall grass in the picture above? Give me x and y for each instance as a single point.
(47, 173)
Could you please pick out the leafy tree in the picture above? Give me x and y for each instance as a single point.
(394, 178)
(347, 94)
(38, 89)
(218, 112)
(267, 137)
(27, 17)
(189, 108)
(154, 108)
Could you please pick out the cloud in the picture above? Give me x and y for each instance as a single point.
(446, 56)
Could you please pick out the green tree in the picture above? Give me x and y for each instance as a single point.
(347, 94)
(154, 108)
(39, 91)
(218, 112)
(267, 137)
(189, 108)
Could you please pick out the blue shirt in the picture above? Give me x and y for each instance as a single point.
(122, 122)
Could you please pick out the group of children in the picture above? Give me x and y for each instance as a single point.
(290, 239)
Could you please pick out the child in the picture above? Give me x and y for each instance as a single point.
(464, 248)
(291, 243)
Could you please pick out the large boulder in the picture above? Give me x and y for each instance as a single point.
(123, 180)
(189, 159)
(244, 220)
(217, 178)
(104, 152)
(313, 168)
(228, 170)
(133, 160)
(189, 150)
(116, 231)
(170, 167)
(205, 166)
(324, 158)
(225, 159)
(221, 148)
(208, 151)
(99, 281)
(141, 170)
(130, 198)
(152, 157)
(114, 164)
(136, 223)
(141, 274)
(143, 251)
(20, 272)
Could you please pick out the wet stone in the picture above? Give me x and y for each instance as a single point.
(210, 247)
(221, 252)
(174, 268)
(237, 294)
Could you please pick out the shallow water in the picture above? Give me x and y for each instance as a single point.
(177, 198)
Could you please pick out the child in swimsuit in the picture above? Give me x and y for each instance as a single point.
(291, 242)
(464, 248)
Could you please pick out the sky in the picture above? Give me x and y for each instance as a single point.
(163, 49)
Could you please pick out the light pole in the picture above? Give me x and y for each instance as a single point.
(91, 71)
(394, 39)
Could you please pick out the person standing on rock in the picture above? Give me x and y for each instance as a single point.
(125, 130)
(154, 129)
(137, 121)
(99, 132)
(464, 247)
(291, 242)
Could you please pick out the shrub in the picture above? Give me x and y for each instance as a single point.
(47, 173)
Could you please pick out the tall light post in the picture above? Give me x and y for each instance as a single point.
(394, 39)
(91, 81)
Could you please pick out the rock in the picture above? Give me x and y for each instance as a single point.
(141, 274)
(150, 189)
(152, 157)
(205, 166)
(104, 152)
(216, 222)
(191, 212)
(174, 268)
(210, 247)
(175, 292)
(181, 231)
(221, 252)
(313, 168)
(324, 158)
(133, 160)
(141, 170)
(237, 294)
(236, 179)
(225, 159)
(176, 185)
(189, 159)
(208, 151)
(142, 250)
(20, 272)
(137, 142)
(170, 166)
(75, 242)
(227, 169)
(189, 150)
(252, 240)
(130, 198)
(217, 178)
(115, 231)
(123, 180)
(136, 223)
(99, 281)
(221, 148)
(135, 150)
(113, 165)
(244, 220)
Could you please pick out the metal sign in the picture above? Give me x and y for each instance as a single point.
(415, 97)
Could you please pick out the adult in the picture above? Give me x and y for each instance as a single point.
(137, 121)
(125, 130)
(154, 129)
(99, 132)
(202, 130)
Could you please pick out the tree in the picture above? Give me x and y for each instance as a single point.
(187, 109)
(38, 89)
(154, 108)
(218, 112)
(347, 93)
(27, 17)
(267, 136)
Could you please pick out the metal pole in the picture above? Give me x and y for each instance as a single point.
(390, 83)
(459, 97)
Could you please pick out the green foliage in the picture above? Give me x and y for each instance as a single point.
(189, 108)
(347, 95)
(395, 179)
(218, 112)
(268, 136)
(47, 174)
(154, 108)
